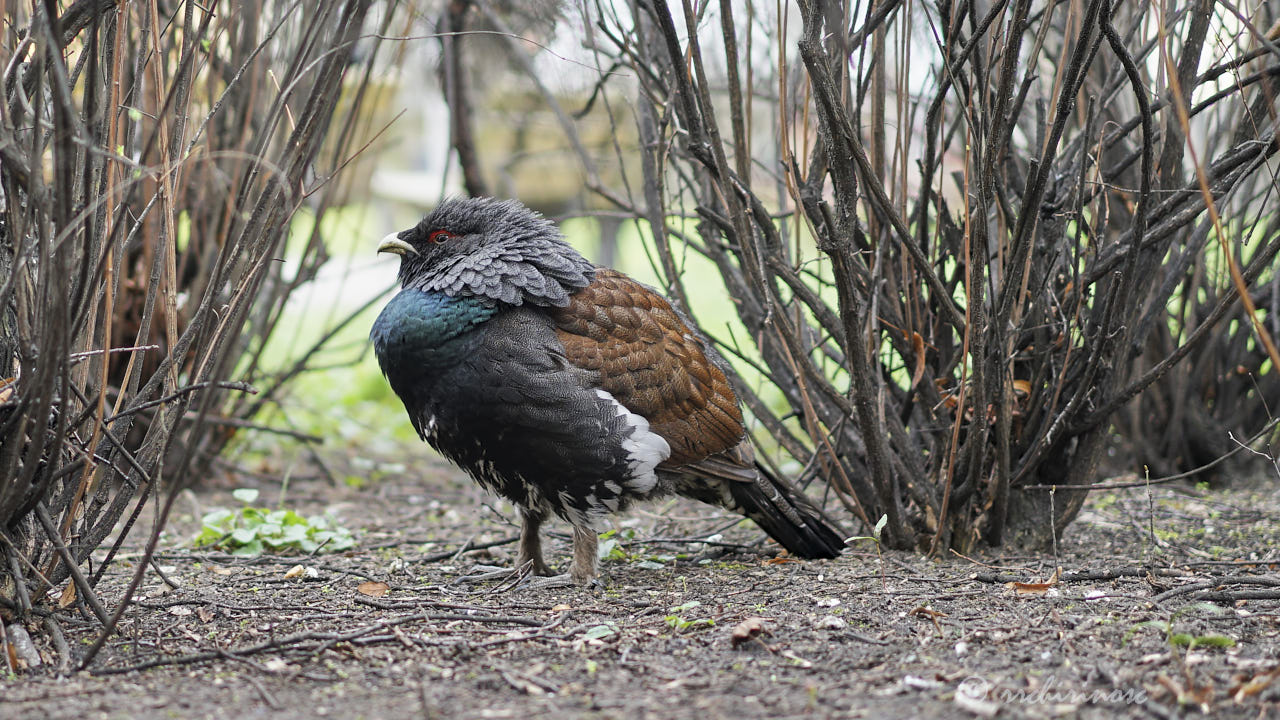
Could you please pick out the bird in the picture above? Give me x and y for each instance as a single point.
(569, 389)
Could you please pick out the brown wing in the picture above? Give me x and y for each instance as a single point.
(653, 363)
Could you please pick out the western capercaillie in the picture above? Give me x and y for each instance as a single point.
(565, 387)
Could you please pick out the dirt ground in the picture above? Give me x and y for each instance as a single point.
(1161, 611)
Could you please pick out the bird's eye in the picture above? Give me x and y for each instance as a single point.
(439, 236)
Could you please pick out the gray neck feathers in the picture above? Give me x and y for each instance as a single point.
(503, 252)
(538, 271)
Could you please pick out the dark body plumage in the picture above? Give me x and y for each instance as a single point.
(564, 387)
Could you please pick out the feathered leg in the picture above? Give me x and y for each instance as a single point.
(530, 552)
(583, 569)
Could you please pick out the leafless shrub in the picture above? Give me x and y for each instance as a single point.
(963, 237)
(151, 157)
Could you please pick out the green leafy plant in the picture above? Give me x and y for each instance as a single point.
(875, 534)
(875, 538)
(600, 632)
(1184, 639)
(611, 544)
(253, 530)
(679, 623)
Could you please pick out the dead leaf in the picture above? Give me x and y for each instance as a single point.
(562, 607)
(917, 347)
(1201, 696)
(21, 647)
(1242, 689)
(749, 629)
(373, 589)
(68, 595)
(205, 614)
(1036, 589)
(12, 652)
(1031, 589)
(924, 611)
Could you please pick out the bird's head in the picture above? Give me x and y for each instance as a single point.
(484, 247)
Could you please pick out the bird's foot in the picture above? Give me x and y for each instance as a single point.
(487, 573)
(564, 580)
(532, 566)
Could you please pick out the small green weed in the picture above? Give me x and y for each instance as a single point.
(875, 534)
(600, 632)
(611, 544)
(875, 538)
(252, 531)
(679, 623)
(1183, 639)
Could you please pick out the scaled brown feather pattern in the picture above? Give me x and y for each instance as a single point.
(653, 363)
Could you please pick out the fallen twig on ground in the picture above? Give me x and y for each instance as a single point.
(316, 642)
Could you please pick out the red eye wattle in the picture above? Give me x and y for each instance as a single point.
(439, 236)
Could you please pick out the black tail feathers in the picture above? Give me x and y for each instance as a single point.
(787, 516)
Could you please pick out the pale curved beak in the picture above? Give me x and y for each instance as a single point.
(396, 246)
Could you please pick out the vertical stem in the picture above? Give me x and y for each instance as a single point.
(457, 94)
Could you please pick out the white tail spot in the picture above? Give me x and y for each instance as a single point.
(644, 447)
